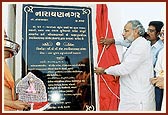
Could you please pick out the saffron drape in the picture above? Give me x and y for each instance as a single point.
(106, 58)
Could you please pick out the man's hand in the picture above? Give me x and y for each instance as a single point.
(158, 82)
(19, 105)
(107, 41)
(99, 70)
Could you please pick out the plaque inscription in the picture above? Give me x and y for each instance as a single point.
(57, 48)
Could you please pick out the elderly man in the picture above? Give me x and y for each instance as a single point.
(10, 102)
(135, 71)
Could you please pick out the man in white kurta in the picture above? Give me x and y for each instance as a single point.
(135, 71)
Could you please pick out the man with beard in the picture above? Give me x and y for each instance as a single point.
(135, 70)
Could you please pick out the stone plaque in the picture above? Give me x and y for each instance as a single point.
(57, 48)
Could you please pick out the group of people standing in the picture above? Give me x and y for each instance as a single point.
(141, 69)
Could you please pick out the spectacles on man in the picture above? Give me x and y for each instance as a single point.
(150, 30)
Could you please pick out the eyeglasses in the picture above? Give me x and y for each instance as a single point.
(150, 30)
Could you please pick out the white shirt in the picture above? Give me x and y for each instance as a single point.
(160, 66)
(135, 71)
(122, 42)
(160, 62)
(156, 49)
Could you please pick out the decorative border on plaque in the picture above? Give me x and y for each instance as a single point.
(52, 37)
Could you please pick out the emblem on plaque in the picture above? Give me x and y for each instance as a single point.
(31, 89)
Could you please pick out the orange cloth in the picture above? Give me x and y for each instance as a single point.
(38, 105)
(6, 108)
(107, 100)
(8, 82)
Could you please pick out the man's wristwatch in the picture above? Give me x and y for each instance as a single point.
(104, 72)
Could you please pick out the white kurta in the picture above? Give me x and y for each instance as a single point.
(135, 71)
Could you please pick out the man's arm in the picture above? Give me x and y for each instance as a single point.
(109, 41)
(15, 104)
(18, 105)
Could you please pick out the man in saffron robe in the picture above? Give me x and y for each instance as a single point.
(10, 102)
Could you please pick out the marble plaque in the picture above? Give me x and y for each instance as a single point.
(57, 48)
